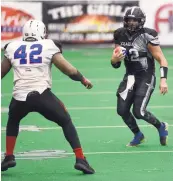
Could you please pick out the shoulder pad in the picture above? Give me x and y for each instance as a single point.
(119, 31)
(151, 31)
(56, 44)
(5, 47)
(59, 45)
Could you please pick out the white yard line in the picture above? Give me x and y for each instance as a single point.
(113, 108)
(127, 152)
(62, 155)
(99, 79)
(78, 127)
(5, 109)
(90, 93)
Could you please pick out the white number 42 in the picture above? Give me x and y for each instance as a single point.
(134, 54)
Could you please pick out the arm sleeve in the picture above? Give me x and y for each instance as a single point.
(152, 37)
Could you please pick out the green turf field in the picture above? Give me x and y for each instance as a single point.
(102, 132)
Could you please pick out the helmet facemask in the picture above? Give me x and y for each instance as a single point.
(133, 24)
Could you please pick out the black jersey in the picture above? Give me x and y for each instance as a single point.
(138, 57)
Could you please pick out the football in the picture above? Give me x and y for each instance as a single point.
(120, 49)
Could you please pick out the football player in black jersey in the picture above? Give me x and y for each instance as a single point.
(142, 47)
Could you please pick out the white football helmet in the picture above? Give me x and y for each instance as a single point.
(34, 30)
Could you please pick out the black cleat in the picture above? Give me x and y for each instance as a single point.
(83, 165)
(8, 162)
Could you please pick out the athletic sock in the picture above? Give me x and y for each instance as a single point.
(79, 153)
(10, 144)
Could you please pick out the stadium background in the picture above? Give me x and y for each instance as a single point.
(85, 30)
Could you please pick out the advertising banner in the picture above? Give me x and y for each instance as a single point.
(13, 17)
(84, 22)
(160, 17)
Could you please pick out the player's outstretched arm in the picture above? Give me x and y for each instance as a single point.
(159, 56)
(64, 66)
(5, 67)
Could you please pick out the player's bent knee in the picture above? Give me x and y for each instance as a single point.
(121, 111)
(63, 121)
(137, 113)
(12, 128)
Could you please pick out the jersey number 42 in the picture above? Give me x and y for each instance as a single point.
(34, 55)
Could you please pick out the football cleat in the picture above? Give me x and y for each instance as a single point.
(163, 133)
(138, 139)
(8, 162)
(83, 165)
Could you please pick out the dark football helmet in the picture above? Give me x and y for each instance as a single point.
(137, 15)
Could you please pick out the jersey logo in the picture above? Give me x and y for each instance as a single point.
(126, 44)
(34, 55)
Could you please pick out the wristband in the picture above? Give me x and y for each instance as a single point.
(77, 77)
(163, 72)
(116, 65)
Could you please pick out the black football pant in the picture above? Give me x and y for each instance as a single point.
(139, 97)
(48, 105)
